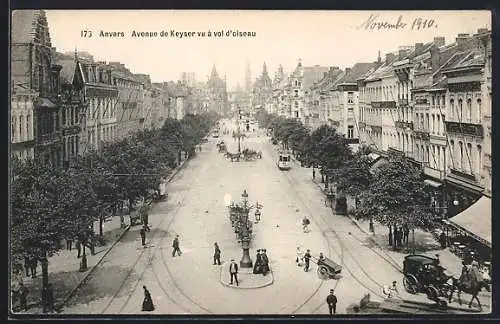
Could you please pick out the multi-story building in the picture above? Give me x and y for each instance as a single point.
(21, 114)
(189, 78)
(262, 89)
(321, 98)
(464, 124)
(302, 79)
(99, 117)
(33, 72)
(129, 114)
(152, 111)
(345, 101)
(73, 105)
(216, 91)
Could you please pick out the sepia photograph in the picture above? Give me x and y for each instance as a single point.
(250, 162)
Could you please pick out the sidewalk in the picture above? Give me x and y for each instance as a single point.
(246, 278)
(64, 266)
(425, 244)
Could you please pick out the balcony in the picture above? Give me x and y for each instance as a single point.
(422, 134)
(421, 102)
(464, 180)
(71, 130)
(465, 129)
(403, 102)
(404, 125)
(362, 125)
(383, 104)
(434, 173)
(49, 139)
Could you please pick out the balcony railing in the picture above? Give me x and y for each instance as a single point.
(404, 125)
(48, 139)
(403, 102)
(460, 174)
(422, 102)
(422, 134)
(71, 130)
(383, 104)
(465, 128)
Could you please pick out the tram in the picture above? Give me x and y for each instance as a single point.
(284, 162)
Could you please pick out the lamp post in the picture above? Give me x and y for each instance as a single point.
(246, 261)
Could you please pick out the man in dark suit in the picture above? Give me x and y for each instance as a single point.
(307, 258)
(331, 300)
(175, 245)
(233, 271)
(216, 254)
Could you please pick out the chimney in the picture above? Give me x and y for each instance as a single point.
(347, 70)
(401, 54)
(389, 58)
(439, 41)
(418, 48)
(462, 39)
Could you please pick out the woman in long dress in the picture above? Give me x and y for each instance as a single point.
(147, 304)
(257, 268)
(265, 262)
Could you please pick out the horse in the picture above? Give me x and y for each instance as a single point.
(468, 283)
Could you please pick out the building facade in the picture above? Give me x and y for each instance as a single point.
(262, 89)
(216, 92)
(130, 105)
(33, 75)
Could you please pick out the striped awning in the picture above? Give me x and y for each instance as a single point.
(476, 220)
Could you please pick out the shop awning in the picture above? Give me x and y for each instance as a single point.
(476, 220)
(430, 182)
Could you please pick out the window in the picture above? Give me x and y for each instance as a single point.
(470, 162)
(479, 111)
(460, 110)
(350, 131)
(350, 97)
(296, 114)
(28, 127)
(21, 127)
(469, 110)
(461, 161)
(479, 159)
(13, 128)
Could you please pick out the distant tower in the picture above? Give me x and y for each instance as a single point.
(379, 59)
(248, 79)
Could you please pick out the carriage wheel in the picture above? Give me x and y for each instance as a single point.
(432, 293)
(410, 284)
(323, 272)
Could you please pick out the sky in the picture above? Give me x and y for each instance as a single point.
(327, 38)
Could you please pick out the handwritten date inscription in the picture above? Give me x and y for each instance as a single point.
(374, 23)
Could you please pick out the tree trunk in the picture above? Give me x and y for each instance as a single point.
(390, 236)
(101, 223)
(45, 270)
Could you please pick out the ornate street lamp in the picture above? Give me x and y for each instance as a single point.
(246, 261)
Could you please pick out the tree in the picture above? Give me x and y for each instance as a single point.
(397, 197)
(354, 177)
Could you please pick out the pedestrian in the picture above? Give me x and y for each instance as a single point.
(299, 256)
(305, 224)
(33, 266)
(442, 240)
(175, 245)
(23, 295)
(17, 281)
(147, 303)
(257, 268)
(321, 258)
(142, 232)
(78, 248)
(265, 262)
(145, 221)
(216, 254)
(406, 234)
(390, 290)
(307, 258)
(331, 300)
(69, 244)
(27, 264)
(314, 173)
(401, 233)
(233, 272)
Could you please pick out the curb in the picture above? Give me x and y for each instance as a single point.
(247, 288)
(89, 272)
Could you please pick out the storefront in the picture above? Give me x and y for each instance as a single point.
(470, 232)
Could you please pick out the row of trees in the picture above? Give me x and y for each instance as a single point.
(50, 204)
(392, 193)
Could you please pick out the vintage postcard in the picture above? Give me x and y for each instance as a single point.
(231, 162)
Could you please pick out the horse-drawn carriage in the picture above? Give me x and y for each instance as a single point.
(249, 155)
(327, 269)
(423, 274)
(234, 157)
(222, 147)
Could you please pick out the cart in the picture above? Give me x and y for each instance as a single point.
(327, 269)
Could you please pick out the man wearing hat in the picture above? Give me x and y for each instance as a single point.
(331, 300)
(233, 271)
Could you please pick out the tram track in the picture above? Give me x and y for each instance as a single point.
(149, 260)
(343, 249)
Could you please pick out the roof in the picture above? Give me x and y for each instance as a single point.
(358, 70)
(24, 23)
(312, 74)
(476, 220)
(454, 60)
(68, 70)
(383, 71)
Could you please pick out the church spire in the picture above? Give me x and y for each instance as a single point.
(214, 74)
(248, 79)
(264, 69)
